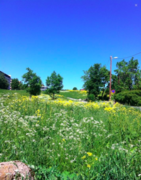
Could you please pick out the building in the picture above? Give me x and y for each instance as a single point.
(8, 78)
(43, 88)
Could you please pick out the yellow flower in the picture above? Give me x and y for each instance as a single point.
(88, 165)
(96, 159)
(83, 157)
(89, 153)
(63, 140)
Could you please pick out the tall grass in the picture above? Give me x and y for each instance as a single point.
(76, 94)
(71, 139)
(19, 92)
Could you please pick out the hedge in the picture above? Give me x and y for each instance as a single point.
(129, 97)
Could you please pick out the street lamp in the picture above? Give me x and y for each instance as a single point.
(111, 75)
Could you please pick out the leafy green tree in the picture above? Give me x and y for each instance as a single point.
(137, 82)
(22, 86)
(114, 83)
(3, 82)
(75, 88)
(15, 84)
(54, 84)
(33, 82)
(95, 79)
(104, 75)
(127, 74)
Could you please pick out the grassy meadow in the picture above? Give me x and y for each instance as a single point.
(67, 140)
(76, 94)
(11, 92)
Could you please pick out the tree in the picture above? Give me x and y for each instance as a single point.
(95, 79)
(15, 84)
(22, 86)
(104, 75)
(3, 82)
(54, 84)
(127, 74)
(75, 88)
(137, 82)
(33, 82)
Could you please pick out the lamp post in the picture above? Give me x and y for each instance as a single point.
(111, 75)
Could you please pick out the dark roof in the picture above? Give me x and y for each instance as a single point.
(5, 74)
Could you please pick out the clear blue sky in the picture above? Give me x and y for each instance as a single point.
(67, 36)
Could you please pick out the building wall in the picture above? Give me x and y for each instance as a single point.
(43, 88)
(8, 78)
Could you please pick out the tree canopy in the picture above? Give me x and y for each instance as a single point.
(15, 84)
(33, 82)
(75, 88)
(3, 82)
(95, 79)
(54, 84)
(128, 75)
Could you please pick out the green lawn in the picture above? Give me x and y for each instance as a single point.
(74, 94)
(64, 94)
(20, 92)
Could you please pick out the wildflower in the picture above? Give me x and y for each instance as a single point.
(88, 165)
(96, 159)
(89, 153)
(83, 157)
(16, 170)
(63, 140)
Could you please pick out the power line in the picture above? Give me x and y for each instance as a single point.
(130, 56)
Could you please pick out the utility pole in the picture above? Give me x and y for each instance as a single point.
(110, 77)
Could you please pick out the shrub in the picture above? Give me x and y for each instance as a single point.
(3, 82)
(75, 88)
(129, 97)
(33, 82)
(54, 84)
(15, 84)
(103, 95)
(91, 97)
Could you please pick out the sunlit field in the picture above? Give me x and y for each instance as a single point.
(76, 94)
(19, 92)
(67, 139)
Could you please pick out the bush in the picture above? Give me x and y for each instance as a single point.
(33, 82)
(129, 97)
(75, 88)
(54, 84)
(15, 84)
(3, 82)
(91, 97)
(103, 95)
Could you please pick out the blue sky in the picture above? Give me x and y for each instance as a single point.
(67, 36)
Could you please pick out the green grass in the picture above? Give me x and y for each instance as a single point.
(74, 94)
(20, 92)
(75, 141)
